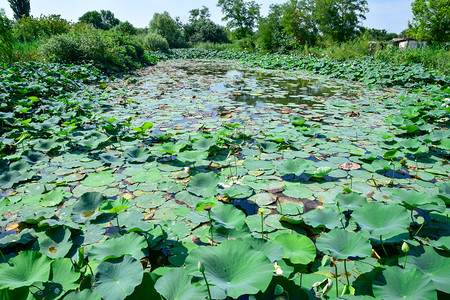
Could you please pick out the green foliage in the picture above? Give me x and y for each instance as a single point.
(201, 29)
(102, 20)
(30, 28)
(6, 39)
(153, 41)
(431, 20)
(168, 28)
(126, 28)
(380, 34)
(106, 50)
(241, 16)
(20, 8)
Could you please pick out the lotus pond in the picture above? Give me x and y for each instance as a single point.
(213, 179)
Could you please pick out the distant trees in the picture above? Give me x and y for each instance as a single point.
(102, 20)
(20, 8)
(431, 20)
(201, 28)
(168, 28)
(242, 16)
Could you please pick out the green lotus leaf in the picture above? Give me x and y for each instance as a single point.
(52, 198)
(294, 166)
(444, 191)
(21, 165)
(255, 165)
(411, 199)
(137, 154)
(268, 147)
(55, 242)
(272, 250)
(27, 268)
(151, 175)
(45, 145)
(298, 249)
(351, 201)
(228, 216)
(111, 159)
(93, 139)
(33, 157)
(249, 271)
(396, 283)
(263, 199)
(65, 274)
(342, 244)
(236, 191)
(86, 294)
(378, 219)
(113, 207)
(99, 179)
(203, 184)
(411, 111)
(204, 143)
(144, 127)
(290, 209)
(24, 237)
(127, 244)
(297, 190)
(146, 290)
(321, 172)
(9, 178)
(329, 218)
(192, 156)
(176, 285)
(117, 278)
(435, 266)
(172, 148)
(297, 120)
(86, 208)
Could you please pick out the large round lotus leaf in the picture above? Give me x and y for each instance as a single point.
(52, 198)
(55, 242)
(297, 190)
(176, 285)
(192, 156)
(146, 290)
(378, 219)
(33, 157)
(411, 199)
(128, 244)
(85, 294)
(431, 263)
(342, 244)
(204, 143)
(396, 283)
(236, 191)
(45, 145)
(25, 269)
(351, 201)
(298, 249)
(99, 179)
(294, 166)
(150, 175)
(203, 184)
(290, 209)
(272, 250)
(172, 148)
(116, 278)
(263, 199)
(64, 273)
(228, 216)
(86, 208)
(111, 159)
(269, 147)
(297, 120)
(254, 165)
(9, 178)
(329, 218)
(233, 266)
(137, 154)
(321, 171)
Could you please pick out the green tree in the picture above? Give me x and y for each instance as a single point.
(201, 28)
(6, 38)
(241, 16)
(298, 21)
(339, 20)
(168, 28)
(102, 20)
(20, 8)
(126, 28)
(431, 20)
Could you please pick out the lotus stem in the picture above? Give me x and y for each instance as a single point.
(117, 220)
(202, 270)
(4, 258)
(419, 228)
(393, 173)
(301, 277)
(208, 209)
(261, 212)
(346, 274)
(382, 245)
(336, 274)
(374, 182)
(164, 238)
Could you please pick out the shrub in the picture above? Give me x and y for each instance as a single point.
(168, 28)
(29, 28)
(154, 42)
(126, 28)
(6, 38)
(105, 50)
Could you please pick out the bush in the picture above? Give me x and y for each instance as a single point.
(168, 28)
(105, 50)
(29, 28)
(6, 39)
(154, 42)
(126, 28)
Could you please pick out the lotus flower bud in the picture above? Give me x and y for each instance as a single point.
(260, 210)
(405, 247)
(207, 207)
(200, 267)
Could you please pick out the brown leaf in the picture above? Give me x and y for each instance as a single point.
(348, 166)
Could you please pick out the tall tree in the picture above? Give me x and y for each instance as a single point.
(102, 20)
(201, 28)
(298, 21)
(20, 8)
(241, 16)
(168, 28)
(431, 20)
(339, 19)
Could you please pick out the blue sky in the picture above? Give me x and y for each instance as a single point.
(392, 15)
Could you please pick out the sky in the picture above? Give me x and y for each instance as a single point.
(392, 15)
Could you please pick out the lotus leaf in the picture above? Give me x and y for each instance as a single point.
(203, 184)
(27, 268)
(351, 201)
(176, 285)
(151, 175)
(9, 178)
(137, 154)
(64, 273)
(269, 147)
(228, 216)
(342, 244)
(298, 249)
(111, 159)
(254, 165)
(86, 294)
(86, 208)
(249, 271)
(55, 242)
(115, 247)
(192, 156)
(237, 191)
(294, 166)
(117, 278)
(99, 179)
(411, 199)
(329, 218)
(396, 283)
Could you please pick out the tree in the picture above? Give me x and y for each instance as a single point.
(102, 20)
(339, 19)
(20, 8)
(431, 20)
(298, 21)
(168, 28)
(201, 29)
(242, 16)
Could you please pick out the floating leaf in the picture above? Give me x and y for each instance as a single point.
(342, 244)
(86, 208)
(298, 249)
(128, 244)
(203, 184)
(176, 284)
(99, 179)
